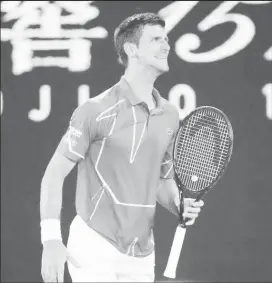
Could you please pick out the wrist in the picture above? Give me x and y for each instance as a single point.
(176, 200)
(50, 230)
(174, 205)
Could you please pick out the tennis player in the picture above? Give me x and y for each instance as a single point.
(122, 142)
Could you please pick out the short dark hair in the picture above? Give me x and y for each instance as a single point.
(130, 30)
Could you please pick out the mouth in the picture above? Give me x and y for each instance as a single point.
(161, 57)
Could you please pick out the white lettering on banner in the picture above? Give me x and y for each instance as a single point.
(51, 36)
(175, 12)
(268, 54)
(189, 96)
(267, 92)
(83, 94)
(185, 45)
(1, 103)
(242, 36)
(267, 89)
(42, 113)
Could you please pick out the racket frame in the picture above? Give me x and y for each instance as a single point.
(183, 192)
(170, 270)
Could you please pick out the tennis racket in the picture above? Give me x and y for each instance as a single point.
(202, 151)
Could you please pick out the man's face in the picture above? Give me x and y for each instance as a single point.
(153, 48)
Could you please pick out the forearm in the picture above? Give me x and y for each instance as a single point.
(168, 195)
(51, 196)
(52, 186)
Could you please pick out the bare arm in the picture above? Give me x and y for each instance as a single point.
(71, 149)
(52, 186)
(168, 195)
(54, 252)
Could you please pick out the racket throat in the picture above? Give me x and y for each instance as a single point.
(201, 195)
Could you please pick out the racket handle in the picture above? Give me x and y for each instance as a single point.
(171, 267)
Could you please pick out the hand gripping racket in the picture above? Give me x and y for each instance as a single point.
(202, 151)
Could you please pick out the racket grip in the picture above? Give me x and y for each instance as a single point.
(172, 263)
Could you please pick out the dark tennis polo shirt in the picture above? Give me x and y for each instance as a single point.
(122, 150)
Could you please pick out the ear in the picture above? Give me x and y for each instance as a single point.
(130, 49)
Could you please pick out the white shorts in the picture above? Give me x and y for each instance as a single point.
(100, 261)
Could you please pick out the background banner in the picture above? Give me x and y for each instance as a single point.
(57, 54)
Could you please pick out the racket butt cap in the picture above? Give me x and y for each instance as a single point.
(169, 274)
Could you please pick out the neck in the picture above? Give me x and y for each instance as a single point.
(141, 81)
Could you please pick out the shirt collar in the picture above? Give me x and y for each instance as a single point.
(134, 100)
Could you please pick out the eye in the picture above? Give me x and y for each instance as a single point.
(158, 38)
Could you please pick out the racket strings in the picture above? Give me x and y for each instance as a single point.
(202, 149)
(203, 156)
(202, 144)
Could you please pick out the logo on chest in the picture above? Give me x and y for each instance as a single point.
(170, 132)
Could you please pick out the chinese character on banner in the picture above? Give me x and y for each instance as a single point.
(50, 26)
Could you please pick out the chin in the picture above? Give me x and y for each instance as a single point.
(160, 68)
(163, 69)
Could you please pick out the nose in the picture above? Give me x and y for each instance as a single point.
(166, 46)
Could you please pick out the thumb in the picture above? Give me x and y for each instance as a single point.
(72, 260)
(189, 201)
(190, 222)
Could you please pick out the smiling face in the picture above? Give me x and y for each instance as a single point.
(153, 48)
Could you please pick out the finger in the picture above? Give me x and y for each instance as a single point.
(49, 274)
(190, 215)
(53, 275)
(190, 222)
(60, 274)
(189, 201)
(198, 203)
(45, 274)
(192, 209)
(72, 260)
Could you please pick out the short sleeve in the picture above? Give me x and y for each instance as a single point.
(80, 133)
(167, 170)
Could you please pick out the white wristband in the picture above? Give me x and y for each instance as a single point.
(50, 230)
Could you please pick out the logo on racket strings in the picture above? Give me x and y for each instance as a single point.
(194, 178)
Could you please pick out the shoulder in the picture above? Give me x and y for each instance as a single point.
(94, 106)
(172, 112)
(170, 108)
